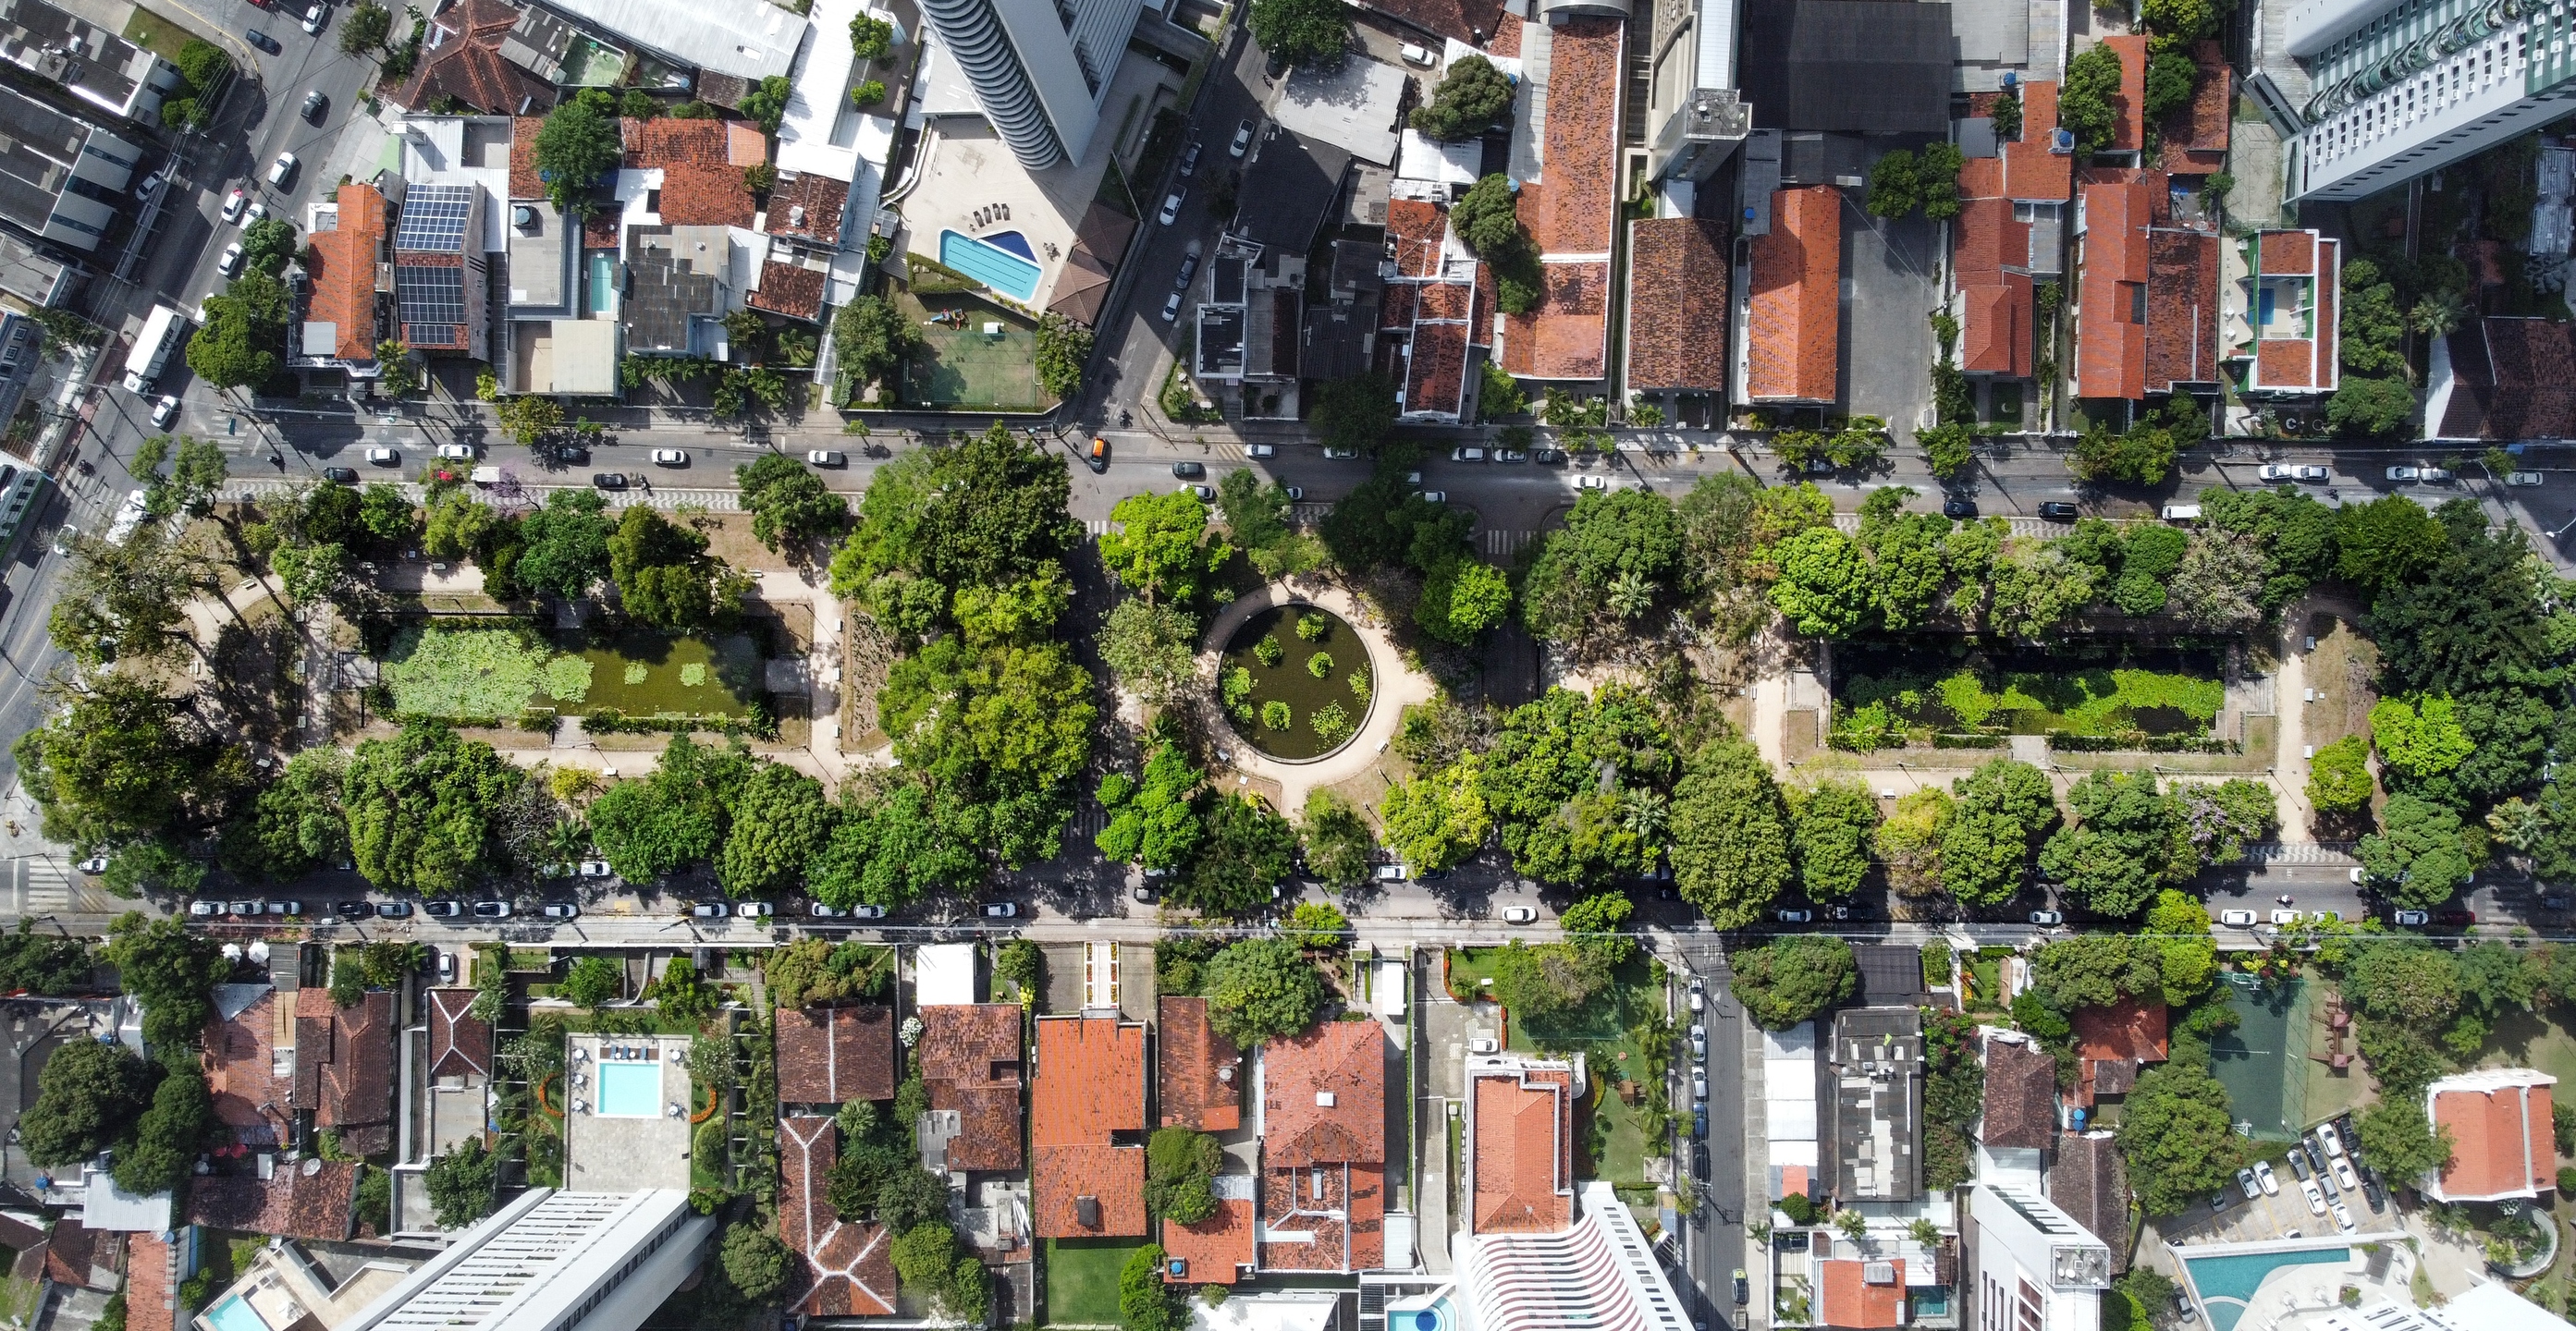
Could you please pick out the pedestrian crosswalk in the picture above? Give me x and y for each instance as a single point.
(1501, 546)
(2301, 852)
(1096, 528)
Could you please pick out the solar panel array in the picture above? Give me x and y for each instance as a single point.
(433, 219)
(432, 305)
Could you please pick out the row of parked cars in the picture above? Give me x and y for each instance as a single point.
(2325, 1170)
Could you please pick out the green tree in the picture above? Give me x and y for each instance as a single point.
(789, 504)
(1938, 173)
(1730, 834)
(2171, 76)
(2417, 854)
(1827, 587)
(1302, 32)
(1338, 843)
(755, 1261)
(1547, 980)
(593, 982)
(1792, 978)
(1064, 347)
(2084, 100)
(1145, 1302)
(664, 575)
(1438, 818)
(1833, 822)
(267, 245)
(418, 805)
(1152, 649)
(460, 1184)
(1595, 926)
(1153, 821)
(1461, 598)
(2371, 407)
(1472, 98)
(872, 338)
(678, 816)
(578, 145)
(1180, 1169)
(566, 550)
(169, 973)
(1261, 989)
(2122, 849)
(1948, 449)
(169, 1135)
(1357, 412)
(457, 525)
(2141, 455)
(238, 346)
(1576, 785)
(2402, 1146)
(765, 105)
(1895, 188)
(2178, 1137)
(366, 28)
(88, 1097)
(116, 765)
(1247, 851)
(2387, 542)
(1316, 926)
(2419, 738)
(780, 823)
(1633, 534)
(1909, 841)
(1161, 546)
(2000, 810)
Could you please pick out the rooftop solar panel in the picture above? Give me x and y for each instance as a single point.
(430, 295)
(433, 219)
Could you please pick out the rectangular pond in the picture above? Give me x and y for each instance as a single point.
(471, 670)
(1903, 692)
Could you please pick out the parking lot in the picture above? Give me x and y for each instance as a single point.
(2276, 1216)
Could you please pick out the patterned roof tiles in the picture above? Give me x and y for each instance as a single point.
(791, 289)
(1795, 328)
(465, 62)
(1523, 1155)
(1089, 1091)
(969, 1055)
(1198, 1073)
(850, 1267)
(2110, 346)
(343, 270)
(1677, 293)
(836, 1054)
(460, 1044)
(314, 1200)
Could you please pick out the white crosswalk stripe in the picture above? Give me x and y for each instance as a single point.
(1501, 545)
(2301, 852)
(1095, 527)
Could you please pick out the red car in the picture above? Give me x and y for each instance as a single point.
(2455, 917)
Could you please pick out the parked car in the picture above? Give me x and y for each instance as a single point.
(1391, 873)
(2236, 919)
(826, 457)
(2330, 1139)
(2048, 918)
(1511, 455)
(2404, 474)
(2270, 1181)
(1591, 482)
(2316, 1199)
(559, 910)
(263, 41)
(315, 103)
(1189, 268)
(2411, 917)
(352, 910)
(592, 868)
(340, 475)
(1188, 471)
(1242, 140)
(1699, 1042)
(242, 909)
(1190, 160)
(2221, 1200)
(707, 910)
(384, 457)
(2285, 917)
(2344, 1176)
(1520, 914)
(1484, 1044)
(2299, 1165)
(2277, 471)
(1001, 910)
(456, 452)
(63, 541)
(1699, 1122)
(2058, 510)
(1793, 916)
(1171, 208)
(2460, 919)
(491, 910)
(201, 910)
(1206, 493)
(234, 203)
(1435, 496)
(279, 170)
(2316, 1155)
(1332, 454)
(1261, 450)
(254, 212)
(445, 910)
(1699, 1083)
(752, 910)
(2432, 475)
(1417, 55)
(2342, 1216)
(867, 912)
(1548, 457)
(2552, 902)
(1958, 507)
(1171, 307)
(447, 965)
(229, 262)
(670, 457)
(1466, 455)
(314, 17)
(608, 480)
(2358, 876)
(2522, 478)
(1698, 995)
(2245, 1183)
(2311, 473)
(392, 910)
(1743, 1288)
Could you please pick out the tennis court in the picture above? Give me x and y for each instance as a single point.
(974, 355)
(2263, 1061)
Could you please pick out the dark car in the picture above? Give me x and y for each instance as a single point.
(315, 103)
(571, 455)
(445, 910)
(1699, 1122)
(2455, 918)
(1548, 456)
(1743, 1288)
(608, 480)
(2058, 511)
(343, 475)
(392, 910)
(2371, 1192)
(1189, 471)
(352, 910)
(263, 41)
(1957, 507)
(1190, 161)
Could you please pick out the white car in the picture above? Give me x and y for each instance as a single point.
(1242, 140)
(1698, 997)
(1466, 455)
(2236, 919)
(826, 457)
(233, 204)
(280, 169)
(2344, 1177)
(2522, 478)
(593, 869)
(1436, 496)
(2245, 1183)
(1484, 1044)
(2333, 1142)
(1171, 307)
(384, 457)
(2277, 471)
(1171, 208)
(1261, 450)
(824, 911)
(94, 864)
(1001, 910)
(560, 910)
(204, 910)
(1699, 1083)
(2263, 1175)
(254, 212)
(1206, 493)
(313, 18)
(63, 537)
(708, 910)
(670, 457)
(165, 411)
(752, 910)
(2316, 1198)
(866, 912)
(1417, 55)
(230, 262)
(1591, 482)
(1520, 914)
(2357, 876)
(2343, 1216)
(2285, 917)
(456, 452)
(2411, 917)
(1699, 1042)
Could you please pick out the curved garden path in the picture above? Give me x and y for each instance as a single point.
(1393, 686)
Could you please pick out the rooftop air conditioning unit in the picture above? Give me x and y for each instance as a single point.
(1323, 1099)
(796, 214)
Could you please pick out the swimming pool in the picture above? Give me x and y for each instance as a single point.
(603, 281)
(630, 1090)
(995, 267)
(1012, 241)
(234, 1315)
(1437, 1316)
(2227, 1284)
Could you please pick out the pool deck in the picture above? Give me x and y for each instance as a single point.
(611, 1154)
(2310, 1277)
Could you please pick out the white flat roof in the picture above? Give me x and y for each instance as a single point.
(822, 133)
(107, 1206)
(943, 973)
(748, 39)
(1351, 108)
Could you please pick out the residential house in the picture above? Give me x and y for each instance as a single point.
(1429, 326)
(1197, 1072)
(490, 56)
(833, 1055)
(312, 1199)
(2503, 380)
(2112, 1042)
(2089, 1181)
(344, 1063)
(2009, 234)
(1086, 1128)
(1520, 1126)
(346, 280)
(2147, 322)
(460, 1043)
(152, 1266)
(2292, 289)
(1570, 207)
(1677, 304)
(2021, 1094)
(77, 1257)
(440, 282)
(848, 1267)
(2194, 142)
(969, 1057)
(1857, 1294)
(1323, 1149)
(1793, 317)
(250, 1064)
(2129, 104)
(2501, 1134)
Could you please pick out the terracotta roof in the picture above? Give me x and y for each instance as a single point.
(1795, 328)
(1990, 253)
(1189, 1058)
(791, 289)
(2292, 363)
(1522, 1160)
(1323, 1148)
(1214, 1249)
(2090, 1182)
(1417, 227)
(1397, 311)
(1436, 378)
(822, 199)
(151, 1284)
(1566, 336)
(2129, 104)
(240, 1059)
(2133, 1028)
(1851, 1301)
(832, 1055)
(2288, 251)
(599, 231)
(524, 183)
(2195, 138)
(2025, 168)
(460, 1044)
(314, 1044)
(2500, 1134)
(2110, 347)
(2515, 379)
(2182, 308)
(1089, 1094)
(73, 1255)
(1677, 303)
(701, 162)
(461, 58)
(1461, 19)
(2021, 1095)
(316, 1199)
(969, 1056)
(343, 268)
(357, 1084)
(850, 1268)
(1579, 204)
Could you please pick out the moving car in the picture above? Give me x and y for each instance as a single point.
(64, 534)
(165, 411)
(233, 204)
(94, 864)
(230, 262)
(340, 475)
(1520, 914)
(1099, 455)
(279, 170)
(2522, 478)
(608, 480)
(456, 452)
(384, 457)
(2271, 1181)
(2455, 918)
(1171, 208)
(263, 41)
(1242, 140)
(1435, 496)
(314, 105)
(1261, 450)
(2058, 510)
(1206, 493)
(1548, 457)
(826, 457)
(1001, 910)
(445, 910)
(1591, 482)
(559, 910)
(1340, 454)
(2048, 918)
(752, 910)
(491, 910)
(2236, 919)
(1188, 471)
(1171, 307)
(2316, 1199)
(1957, 507)
(392, 910)
(314, 17)
(670, 457)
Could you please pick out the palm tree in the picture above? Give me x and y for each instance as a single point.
(1631, 595)
(567, 839)
(2439, 313)
(1641, 814)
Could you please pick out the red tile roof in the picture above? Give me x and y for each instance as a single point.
(1677, 303)
(2287, 251)
(460, 1044)
(1417, 227)
(2501, 1143)
(791, 289)
(357, 1088)
(462, 59)
(2133, 1029)
(701, 162)
(969, 1056)
(1396, 313)
(1986, 246)
(1566, 336)
(822, 199)
(1853, 1303)
(2195, 138)
(343, 268)
(240, 1059)
(831, 1055)
(1794, 333)
(1215, 1249)
(151, 1284)
(2110, 346)
(2021, 1096)
(1523, 1155)
(1323, 1149)
(1198, 1073)
(2301, 364)
(1436, 378)
(524, 183)
(2129, 105)
(1089, 1096)
(75, 1255)
(2182, 308)
(316, 1199)
(850, 1267)
(2030, 172)
(1578, 203)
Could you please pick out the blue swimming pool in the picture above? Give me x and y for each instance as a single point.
(2227, 1284)
(603, 281)
(234, 1315)
(995, 267)
(630, 1090)
(1012, 241)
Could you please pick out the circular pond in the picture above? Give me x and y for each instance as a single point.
(1295, 682)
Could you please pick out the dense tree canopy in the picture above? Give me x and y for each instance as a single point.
(1472, 98)
(116, 765)
(1793, 977)
(2000, 811)
(1730, 834)
(1576, 784)
(1261, 989)
(2178, 1137)
(419, 805)
(789, 504)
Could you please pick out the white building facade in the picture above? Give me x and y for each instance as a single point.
(2032, 1267)
(553, 1261)
(2402, 87)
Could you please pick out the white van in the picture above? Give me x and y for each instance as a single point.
(2182, 513)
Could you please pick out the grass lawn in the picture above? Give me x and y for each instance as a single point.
(1082, 1280)
(154, 33)
(1609, 1133)
(960, 365)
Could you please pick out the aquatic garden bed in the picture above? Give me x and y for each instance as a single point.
(496, 671)
(1295, 682)
(2085, 698)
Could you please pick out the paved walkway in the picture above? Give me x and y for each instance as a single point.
(1393, 687)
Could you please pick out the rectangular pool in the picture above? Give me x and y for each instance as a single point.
(603, 281)
(630, 1090)
(995, 267)
(234, 1315)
